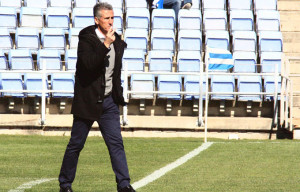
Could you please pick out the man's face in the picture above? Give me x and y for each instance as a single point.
(106, 21)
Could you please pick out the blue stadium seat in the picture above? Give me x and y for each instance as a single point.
(191, 84)
(62, 82)
(142, 82)
(160, 60)
(20, 59)
(265, 5)
(51, 57)
(189, 61)
(135, 4)
(36, 3)
(5, 40)
(196, 4)
(73, 37)
(163, 39)
(115, 3)
(138, 18)
(270, 41)
(57, 17)
(213, 4)
(135, 60)
(27, 38)
(244, 41)
(163, 19)
(31, 17)
(136, 39)
(240, 4)
(189, 19)
(71, 59)
(118, 20)
(53, 38)
(82, 17)
(267, 20)
(217, 39)
(61, 3)
(214, 20)
(269, 87)
(222, 84)
(33, 82)
(249, 84)
(85, 3)
(268, 61)
(244, 62)
(241, 20)
(8, 17)
(11, 3)
(3, 61)
(169, 83)
(11, 81)
(189, 40)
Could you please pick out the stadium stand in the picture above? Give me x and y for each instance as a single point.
(31, 17)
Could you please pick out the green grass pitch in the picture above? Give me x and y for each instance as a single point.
(225, 166)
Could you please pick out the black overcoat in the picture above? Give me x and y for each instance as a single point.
(90, 74)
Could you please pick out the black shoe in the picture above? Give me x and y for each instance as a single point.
(67, 189)
(127, 189)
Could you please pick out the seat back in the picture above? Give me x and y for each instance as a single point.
(31, 17)
(20, 59)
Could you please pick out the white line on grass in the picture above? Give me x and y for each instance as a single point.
(30, 184)
(158, 173)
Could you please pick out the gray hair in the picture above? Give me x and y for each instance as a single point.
(101, 6)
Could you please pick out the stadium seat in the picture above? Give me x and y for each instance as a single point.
(189, 61)
(265, 5)
(57, 17)
(138, 18)
(191, 84)
(62, 82)
(53, 38)
(61, 3)
(189, 40)
(160, 60)
(115, 3)
(3, 61)
(269, 87)
(73, 37)
(5, 40)
(33, 82)
(270, 41)
(240, 4)
(71, 59)
(43, 4)
(118, 20)
(163, 19)
(51, 57)
(142, 82)
(214, 20)
(11, 3)
(244, 62)
(196, 4)
(169, 83)
(189, 19)
(267, 20)
(8, 17)
(249, 84)
(85, 3)
(82, 17)
(163, 39)
(20, 59)
(222, 84)
(31, 17)
(217, 39)
(219, 60)
(134, 59)
(244, 41)
(11, 81)
(213, 4)
(241, 20)
(136, 39)
(268, 61)
(27, 38)
(135, 4)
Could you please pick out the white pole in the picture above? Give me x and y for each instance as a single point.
(43, 103)
(275, 94)
(125, 121)
(206, 103)
(200, 109)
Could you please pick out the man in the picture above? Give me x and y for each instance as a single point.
(97, 94)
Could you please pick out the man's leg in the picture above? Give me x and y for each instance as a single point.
(109, 125)
(80, 131)
(173, 4)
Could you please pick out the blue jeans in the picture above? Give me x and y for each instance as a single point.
(175, 5)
